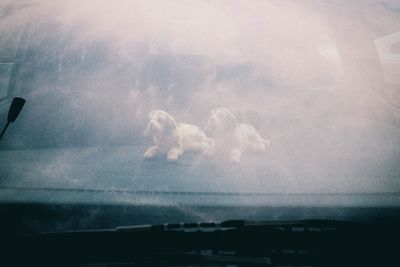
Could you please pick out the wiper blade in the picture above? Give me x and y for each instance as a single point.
(220, 226)
(198, 258)
(229, 242)
(206, 226)
(240, 224)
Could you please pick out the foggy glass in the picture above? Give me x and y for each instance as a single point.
(319, 79)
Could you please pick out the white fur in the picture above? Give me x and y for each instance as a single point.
(231, 137)
(172, 139)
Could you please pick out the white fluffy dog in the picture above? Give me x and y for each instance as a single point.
(231, 137)
(172, 139)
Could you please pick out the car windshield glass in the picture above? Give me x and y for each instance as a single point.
(202, 97)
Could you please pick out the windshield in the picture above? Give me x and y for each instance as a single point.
(202, 97)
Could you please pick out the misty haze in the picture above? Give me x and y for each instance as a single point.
(317, 84)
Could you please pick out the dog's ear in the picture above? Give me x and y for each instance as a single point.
(229, 122)
(146, 131)
(170, 125)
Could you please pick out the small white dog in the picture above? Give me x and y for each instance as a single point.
(231, 137)
(172, 139)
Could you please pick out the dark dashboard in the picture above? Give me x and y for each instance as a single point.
(187, 235)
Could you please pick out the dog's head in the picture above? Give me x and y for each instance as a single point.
(221, 121)
(160, 123)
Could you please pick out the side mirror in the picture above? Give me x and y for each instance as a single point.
(15, 108)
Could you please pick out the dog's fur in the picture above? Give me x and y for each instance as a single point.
(173, 139)
(231, 137)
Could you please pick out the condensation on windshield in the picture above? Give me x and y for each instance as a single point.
(319, 82)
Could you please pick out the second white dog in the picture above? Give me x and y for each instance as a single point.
(231, 137)
(172, 139)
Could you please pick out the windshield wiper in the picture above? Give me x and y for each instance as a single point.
(15, 108)
(237, 242)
